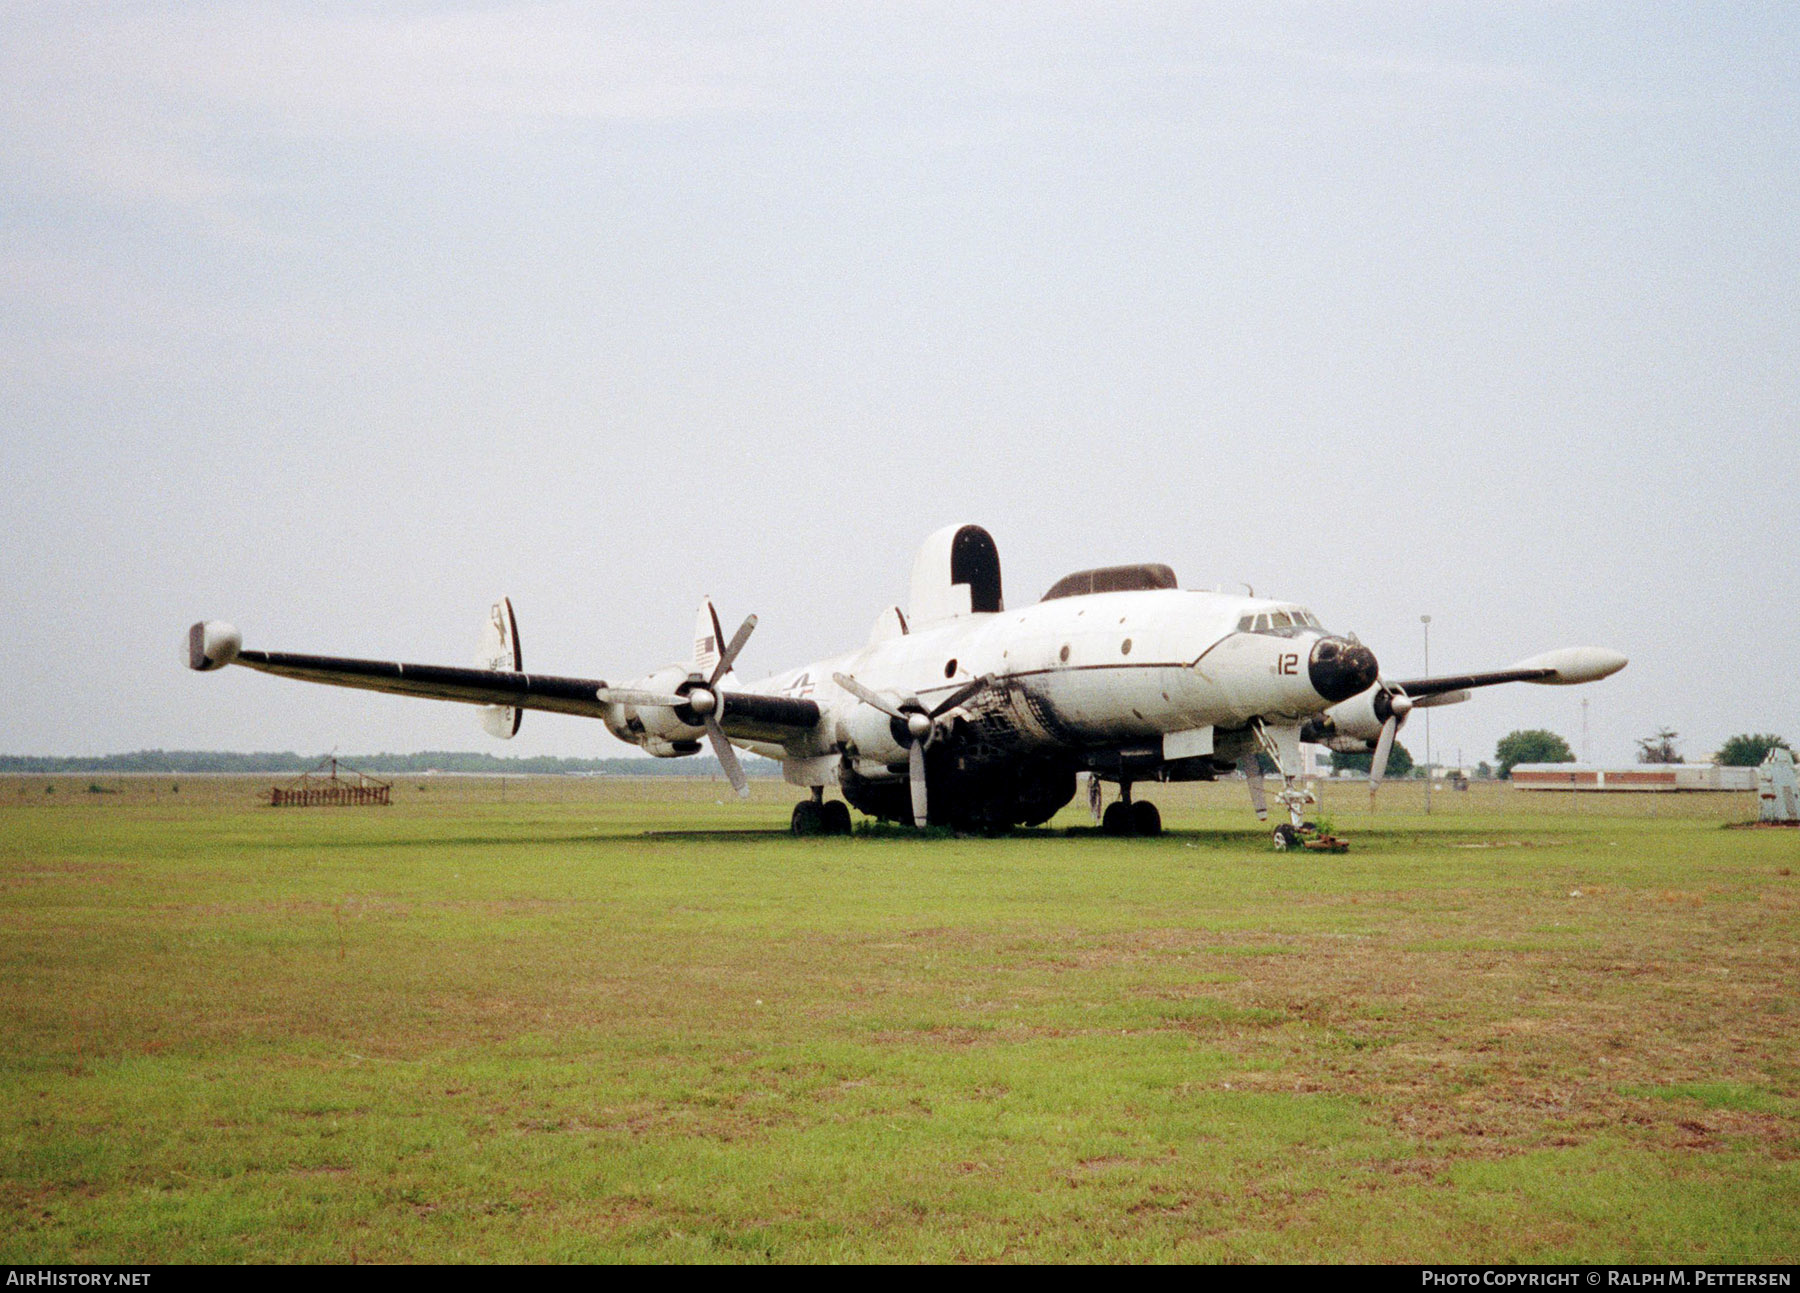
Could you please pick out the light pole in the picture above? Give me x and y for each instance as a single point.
(1426, 621)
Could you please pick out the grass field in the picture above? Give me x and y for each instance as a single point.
(619, 1020)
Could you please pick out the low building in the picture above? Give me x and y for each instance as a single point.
(1631, 777)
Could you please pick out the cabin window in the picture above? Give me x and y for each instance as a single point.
(1125, 647)
(1063, 655)
(949, 668)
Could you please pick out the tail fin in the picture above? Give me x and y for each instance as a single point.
(499, 650)
(709, 639)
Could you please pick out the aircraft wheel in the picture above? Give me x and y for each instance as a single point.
(836, 815)
(1145, 820)
(1286, 837)
(1117, 819)
(808, 819)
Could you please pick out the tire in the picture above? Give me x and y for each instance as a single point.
(1286, 837)
(836, 815)
(1116, 820)
(808, 819)
(1145, 820)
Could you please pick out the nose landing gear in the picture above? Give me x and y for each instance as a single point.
(1296, 831)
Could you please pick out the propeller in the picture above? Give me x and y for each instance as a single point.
(702, 697)
(1398, 705)
(920, 725)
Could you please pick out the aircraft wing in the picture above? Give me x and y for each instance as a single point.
(1419, 688)
(742, 715)
(436, 682)
(1563, 668)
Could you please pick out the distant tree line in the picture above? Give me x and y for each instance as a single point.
(1534, 745)
(1400, 761)
(222, 761)
(1745, 750)
(1749, 749)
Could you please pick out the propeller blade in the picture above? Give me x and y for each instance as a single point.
(868, 697)
(915, 767)
(731, 651)
(1383, 747)
(728, 759)
(1251, 767)
(625, 696)
(962, 694)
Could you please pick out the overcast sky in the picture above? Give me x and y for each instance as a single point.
(340, 321)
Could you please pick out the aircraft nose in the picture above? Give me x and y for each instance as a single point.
(1339, 668)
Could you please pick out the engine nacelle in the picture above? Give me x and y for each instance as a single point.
(657, 748)
(871, 735)
(659, 729)
(1358, 719)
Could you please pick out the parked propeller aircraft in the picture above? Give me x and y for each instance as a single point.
(961, 712)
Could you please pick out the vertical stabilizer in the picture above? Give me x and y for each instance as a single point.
(499, 650)
(709, 639)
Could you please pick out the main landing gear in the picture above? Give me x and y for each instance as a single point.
(1123, 817)
(820, 816)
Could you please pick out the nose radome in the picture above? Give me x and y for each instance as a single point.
(1339, 668)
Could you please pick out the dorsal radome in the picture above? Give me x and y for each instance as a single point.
(956, 573)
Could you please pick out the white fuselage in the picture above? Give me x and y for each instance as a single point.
(1103, 669)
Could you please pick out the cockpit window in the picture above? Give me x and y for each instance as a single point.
(1282, 623)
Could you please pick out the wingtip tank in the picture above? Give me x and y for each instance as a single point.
(1576, 665)
(212, 644)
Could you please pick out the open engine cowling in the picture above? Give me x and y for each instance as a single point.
(873, 735)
